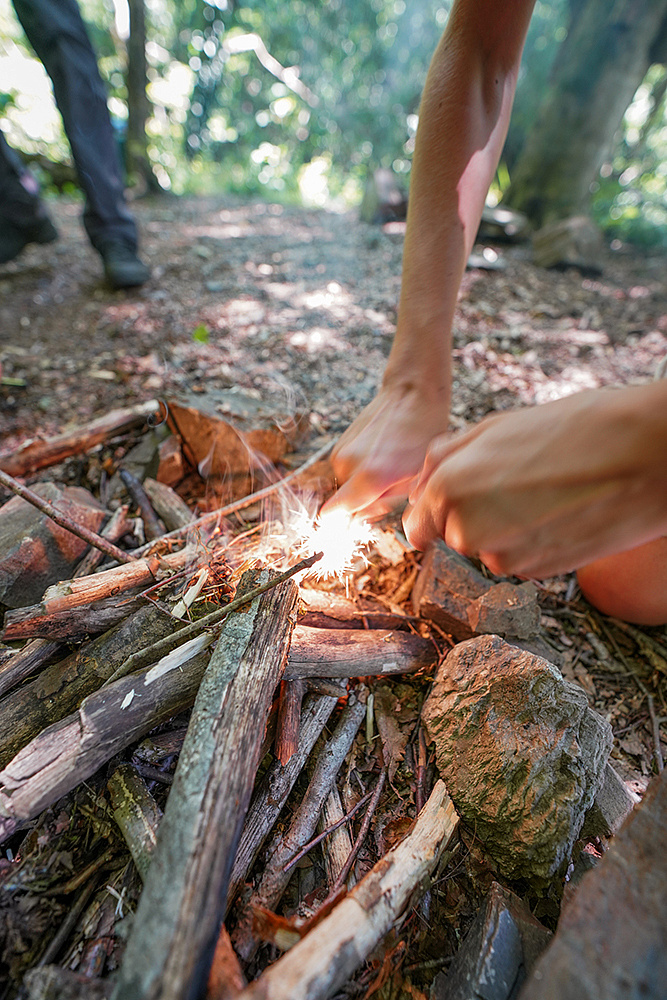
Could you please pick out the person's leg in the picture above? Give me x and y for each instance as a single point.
(631, 585)
(23, 218)
(58, 35)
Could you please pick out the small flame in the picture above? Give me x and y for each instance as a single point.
(342, 537)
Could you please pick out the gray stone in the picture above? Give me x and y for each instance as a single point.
(611, 941)
(506, 609)
(34, 551)
(498, 951)
(520, 751)
(612, 806)
(446, 586)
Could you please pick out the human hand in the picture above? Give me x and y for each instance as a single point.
(542, 491)
(379, 456)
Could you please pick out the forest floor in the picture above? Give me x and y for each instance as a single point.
(299, 307)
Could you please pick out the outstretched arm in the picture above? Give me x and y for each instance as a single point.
(464, 115)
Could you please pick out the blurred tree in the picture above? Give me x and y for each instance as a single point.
(137, 162)
(603, 60)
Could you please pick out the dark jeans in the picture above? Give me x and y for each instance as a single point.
(56, 31)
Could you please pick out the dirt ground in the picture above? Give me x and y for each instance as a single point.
(300, 305)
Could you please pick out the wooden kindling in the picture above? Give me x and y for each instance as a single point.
(329, 954)
(176, 926)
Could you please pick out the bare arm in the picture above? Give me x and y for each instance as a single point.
(464, 117)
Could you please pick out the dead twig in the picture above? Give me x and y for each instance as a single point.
(158, 649)
(63, 520)
(325, 833)
(361, 836)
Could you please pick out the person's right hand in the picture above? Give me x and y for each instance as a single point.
(380, 455)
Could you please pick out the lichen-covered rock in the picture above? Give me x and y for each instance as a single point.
(520, 751)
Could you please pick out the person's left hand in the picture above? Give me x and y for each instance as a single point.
(542, 491)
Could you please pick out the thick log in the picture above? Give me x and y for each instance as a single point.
(70, 751)
(28, 623)
(323, 610)
(171, 947)
(274, 789)
(319, 652)
(325, 959)
(274, 877)
(38, 454)
(60, 688)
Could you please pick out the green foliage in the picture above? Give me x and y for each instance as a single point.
(630, 197)
(329, 91)
(201, 334)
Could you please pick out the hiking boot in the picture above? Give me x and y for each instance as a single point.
(14, 237)
(122, 266)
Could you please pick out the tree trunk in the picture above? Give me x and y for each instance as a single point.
(602, 62)
(136, 153)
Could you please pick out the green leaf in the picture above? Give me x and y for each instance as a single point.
(201, 334)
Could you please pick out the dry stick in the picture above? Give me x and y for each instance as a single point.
(274, 880)
(173, 937)
(26, 661)
(289, 714)
(325, 833)
(230, 508)
(274, 790)
(63, 520)
(40, 453)
(118, 526)
(337, 847)
(151, 653)
(328, 955)
(361, 836)
(655, 725)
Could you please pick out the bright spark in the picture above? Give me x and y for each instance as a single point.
(342, 537)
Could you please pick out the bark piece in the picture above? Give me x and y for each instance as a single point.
(175, 930)
(137, 814)
(34, 551)
(171, 469)
(26, 661)
(324, 610)
(274, 877)
(446, 586)
(39, 454)
(520, 750)
(67, 752)
(60, 688)
(498, 951)
(222, 431)
(506, 609)
(319, 964)
(610, 940)
(289, 714)
(317, 652)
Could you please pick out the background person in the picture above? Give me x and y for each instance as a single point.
(56, 31)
